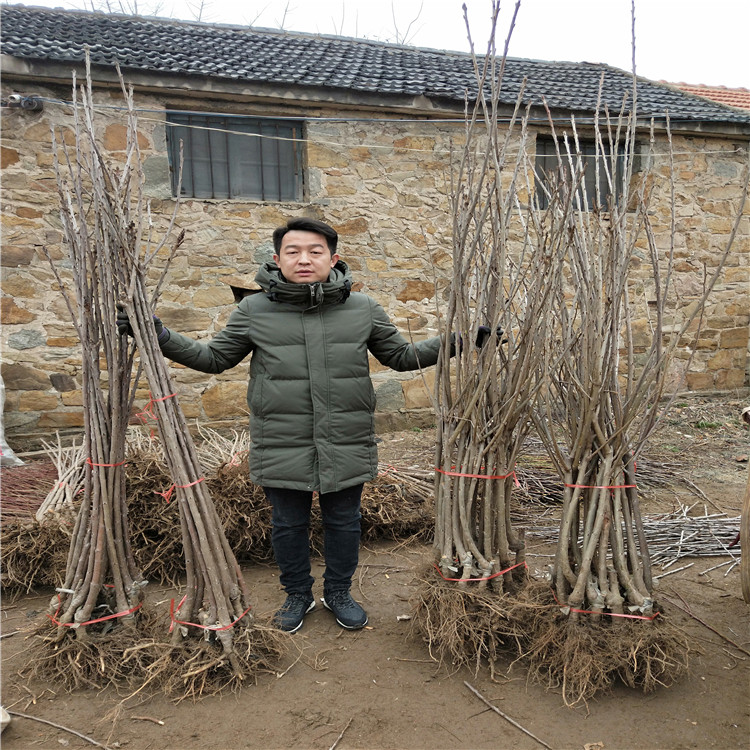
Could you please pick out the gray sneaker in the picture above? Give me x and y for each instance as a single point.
(347, 612)
(292, 612)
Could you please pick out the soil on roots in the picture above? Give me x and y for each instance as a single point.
(589, 655)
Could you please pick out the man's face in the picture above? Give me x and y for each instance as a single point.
(304, 257)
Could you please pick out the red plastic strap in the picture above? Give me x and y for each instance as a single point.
(174, 621)
(91, 463)
(479, 476)
(168, 494)
(601, 486)
(486, 578)
(605, 486)
(90, 622)
(148, 410)
(606, 614)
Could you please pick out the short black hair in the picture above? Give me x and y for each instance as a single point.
(306, 225)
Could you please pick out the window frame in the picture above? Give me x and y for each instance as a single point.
(591, 197)
(219, 164)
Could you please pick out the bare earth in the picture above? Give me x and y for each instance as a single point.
(380, 688)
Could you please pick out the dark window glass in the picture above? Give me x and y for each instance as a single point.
(591, 195)
(236, 157)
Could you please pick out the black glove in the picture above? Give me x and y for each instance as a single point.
(484, 331)
(125, 329)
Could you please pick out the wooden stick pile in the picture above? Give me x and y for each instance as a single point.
(101, 573)
(216, 597)
(484, 395)
(599, 408)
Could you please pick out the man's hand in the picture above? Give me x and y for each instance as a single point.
(125, 329)
(484, 331)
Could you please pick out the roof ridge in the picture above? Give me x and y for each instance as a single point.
(299, 61)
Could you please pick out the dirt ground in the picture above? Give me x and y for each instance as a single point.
(378, 688)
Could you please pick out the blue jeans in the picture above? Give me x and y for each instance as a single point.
(290, 536)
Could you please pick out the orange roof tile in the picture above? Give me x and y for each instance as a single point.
(738, 98)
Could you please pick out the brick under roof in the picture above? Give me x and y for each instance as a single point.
(243, 54)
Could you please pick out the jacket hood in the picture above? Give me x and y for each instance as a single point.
(333, 291)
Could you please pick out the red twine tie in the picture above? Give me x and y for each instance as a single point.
(91, 463)
(168, 494)
(601, 486)
(479, 476)
(173, 621)
(89, 622)
(606, 614)
(148, 409)
(486, 578)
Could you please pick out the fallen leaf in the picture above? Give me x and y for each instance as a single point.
(403, 617)
(594, 746)
(741, 459)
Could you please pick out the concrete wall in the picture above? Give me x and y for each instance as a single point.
(383, 185)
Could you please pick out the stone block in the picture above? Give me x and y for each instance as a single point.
(416, 290)
(323, 157)
(12, 314)
(416, 395)
(28, 213)
(18, 285)
(700, 381)
(17, 255)
(35, 401)
(72, 398)
(116, 138)
(185, 319)
(63, 382)
(191, 409)
(726, 379)
(19, 377)
(376, 264)
(55, 420)
(8, 156)
(340, 188)
(223, 400)
(733, 338)
(722, 360)
(26, 339)
(212, 296)
(353, 226)
(389, 396)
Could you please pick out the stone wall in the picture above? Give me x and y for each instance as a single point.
(382, 183)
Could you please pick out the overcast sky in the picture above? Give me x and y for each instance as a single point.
(694, 41)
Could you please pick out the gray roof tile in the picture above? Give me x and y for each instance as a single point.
(307, 60)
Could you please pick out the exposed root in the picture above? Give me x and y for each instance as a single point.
(199, 668)
(463, 626)
(589, 656)
(468, 627)
(71, 659)
(120, 659)
(33, 554)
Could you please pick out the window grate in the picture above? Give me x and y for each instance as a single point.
(236, 157)
(591, 195)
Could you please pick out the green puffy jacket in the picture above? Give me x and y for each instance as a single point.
(310, 395)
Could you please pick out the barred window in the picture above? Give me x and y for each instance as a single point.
(227, 156)
(591, 194)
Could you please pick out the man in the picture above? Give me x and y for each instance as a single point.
(311, 404)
